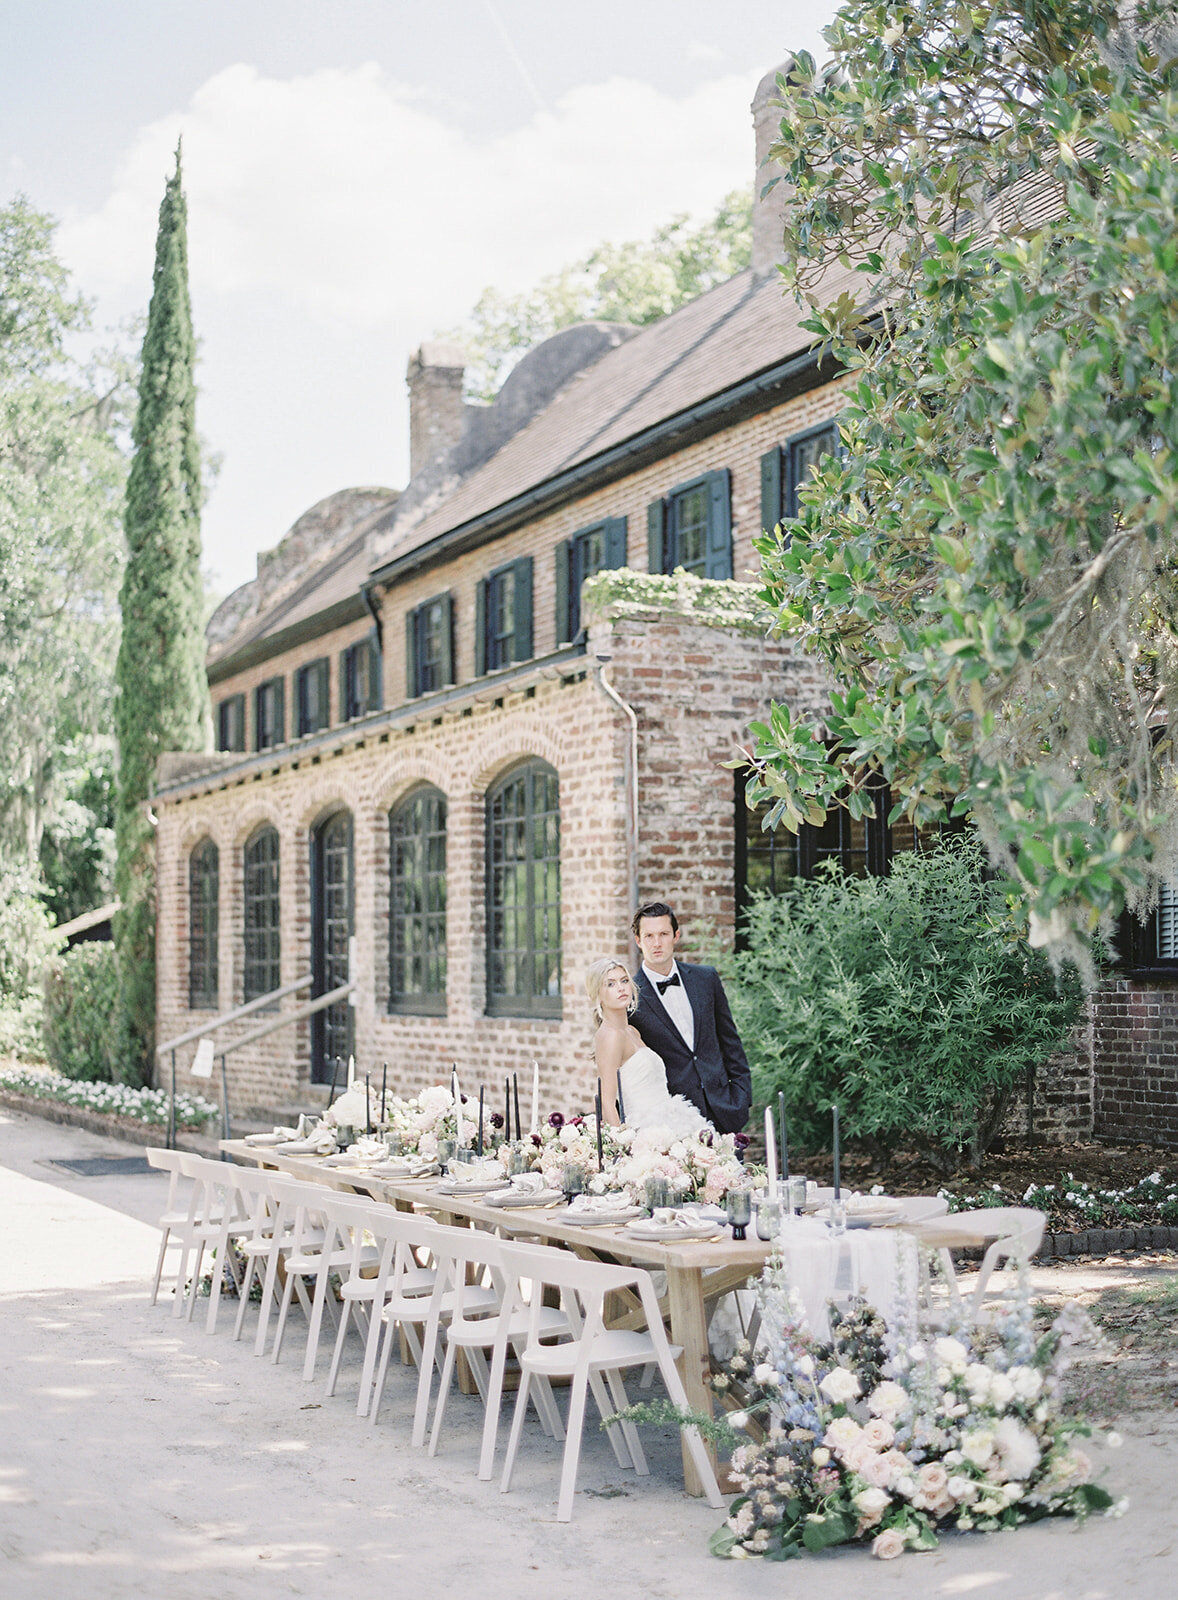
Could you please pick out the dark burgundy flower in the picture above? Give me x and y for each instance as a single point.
(577, 1122)
(536, 1140)
(556, 1121)
(741, 1141)
(496, 1119)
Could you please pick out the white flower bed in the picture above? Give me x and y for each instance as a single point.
(149, 1106)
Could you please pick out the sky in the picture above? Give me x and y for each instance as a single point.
(357, 172)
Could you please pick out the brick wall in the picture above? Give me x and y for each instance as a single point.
(694, 688)
(1135, 1051)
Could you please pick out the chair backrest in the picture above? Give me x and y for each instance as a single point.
(166, 1161)
(583, 1287)
(214, 1195)
(456, 1249)
(1018, 1224)
(922, 1207)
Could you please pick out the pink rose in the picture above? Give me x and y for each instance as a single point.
(889, 1544)
(878, 1433)
(933, 1479)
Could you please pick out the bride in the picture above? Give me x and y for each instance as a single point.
(632, 1074)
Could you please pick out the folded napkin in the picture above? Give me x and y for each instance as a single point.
(528, 1183)
(677, 1219)
(319, 1143)
(593, 1203)
(370, 1147)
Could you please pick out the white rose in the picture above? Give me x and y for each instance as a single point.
(889, 1544)
(766, 1376)
(738, 1420)
(977, 1447)
(842, 1433)
(805, 1365)
(953, 1354)
(871, 1503)
(963, 1489)
(1026, 1382)
(839, 1386)
(821, 1456)
(888, 1400)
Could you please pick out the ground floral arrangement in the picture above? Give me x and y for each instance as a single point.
(150, 1106)
(1073, 1204)
(878, 1434)
(700, 1167)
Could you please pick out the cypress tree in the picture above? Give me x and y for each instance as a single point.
(162, 692)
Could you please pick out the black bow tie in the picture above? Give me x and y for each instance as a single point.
(663, 984)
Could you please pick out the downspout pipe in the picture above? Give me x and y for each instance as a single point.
(374, 613)
(631, 776)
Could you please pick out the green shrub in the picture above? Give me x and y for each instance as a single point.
(20, 1028)
(909, 1000)
(81, 990)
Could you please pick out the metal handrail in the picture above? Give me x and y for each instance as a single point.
(320, 1003)
(235, 1015)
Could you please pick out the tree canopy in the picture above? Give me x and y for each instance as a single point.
(62, 470)
(638, 281)
(987, 568)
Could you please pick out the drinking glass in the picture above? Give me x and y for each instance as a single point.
(657, 1192)
(797, 1194)
(519, 1159)
(769, 1218)
(572, 1179)
(837, 1222)
(395, 1143)
(738, 1203)
(446, 1149)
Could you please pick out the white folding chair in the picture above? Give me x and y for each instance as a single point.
(211, 1215)
(593, 1351)
(386, 1266)
(1009, 1232)
(315, 1252)
(470, 1252)
(174, 1217)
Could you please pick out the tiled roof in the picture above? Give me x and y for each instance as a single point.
(734, 331)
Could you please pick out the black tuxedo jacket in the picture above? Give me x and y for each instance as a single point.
(715, 1076)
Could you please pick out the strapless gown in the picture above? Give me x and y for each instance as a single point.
(648, 1102)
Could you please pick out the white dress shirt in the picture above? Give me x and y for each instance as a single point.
(675, 1001)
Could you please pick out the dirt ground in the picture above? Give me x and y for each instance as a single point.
(140, 1456)
(1104, 1166)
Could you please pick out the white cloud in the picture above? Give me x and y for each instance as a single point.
(336, 220)
(343, 194)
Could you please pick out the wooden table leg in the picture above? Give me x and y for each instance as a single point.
(689, 1328)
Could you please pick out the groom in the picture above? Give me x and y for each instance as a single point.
(683, 1016)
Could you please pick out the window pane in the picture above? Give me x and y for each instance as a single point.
(501, 620)
(804, 456)
(1168, 922)
(203, 886)
(523, 881)
(417, 898)
(689, 517)
(262, 940)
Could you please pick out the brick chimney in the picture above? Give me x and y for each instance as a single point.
(437, 412)
(768, 214)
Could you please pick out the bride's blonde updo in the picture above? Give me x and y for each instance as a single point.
(596, 976)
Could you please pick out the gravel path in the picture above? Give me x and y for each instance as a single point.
(140, 1457)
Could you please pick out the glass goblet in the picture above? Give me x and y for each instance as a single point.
(738, 1203)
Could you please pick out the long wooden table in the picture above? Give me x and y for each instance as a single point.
(698, 1272)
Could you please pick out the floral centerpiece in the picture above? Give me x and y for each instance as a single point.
(701, 1167)
(880, 1434)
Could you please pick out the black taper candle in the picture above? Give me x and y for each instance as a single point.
(384, 1100)
(507, 1109)
(368, 1103)
(519, 1127)
(482, 1091)
(621, 1102)
(782, 1139)
(837, 1185)
(334, 1080)
(600, 1159)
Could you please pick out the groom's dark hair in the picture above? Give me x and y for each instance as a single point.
(655, 908)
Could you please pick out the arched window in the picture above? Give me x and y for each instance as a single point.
(204, 875)
(262, 940)
(417, 903)
(523, 893)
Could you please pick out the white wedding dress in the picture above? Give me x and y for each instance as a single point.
(647, 1101)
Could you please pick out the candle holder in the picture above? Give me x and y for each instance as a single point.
(837, 1220)
(345, 1135)
(518, 1159)
(446, 1149)
(394, 1143)
(769, 1218)
(464, 1154)
(738, 1203)
(572, 1180)
(796, 1197)
(657, 1192)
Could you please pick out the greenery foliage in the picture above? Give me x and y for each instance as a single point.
(713, 602)
(637, 282)
(163, 700)
(987, 570)
(62, 471)
(909, 1000)
(81, 1004)
(150, 1106)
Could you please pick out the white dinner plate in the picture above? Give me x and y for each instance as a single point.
(599, 1219)
(455, 1186)
(654, 1230)
(512, 1197)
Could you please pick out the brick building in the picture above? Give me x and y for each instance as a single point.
(436, 744)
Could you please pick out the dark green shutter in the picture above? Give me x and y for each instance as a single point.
(522, 600)
(411, 655)
(375, 673)
(614, 544)
(448, 640)
(719, 562)
(656, 536)
(342, 689)
(480, 628)
(280, 711)
(563, 555)
(322, 690)
(771, 489)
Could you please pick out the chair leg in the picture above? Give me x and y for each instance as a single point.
(292, 1278)
(269, 1295)
(247, 1285)
(517, 1425)
(322, 1279)
(617, 1439)
(443, 1395)
(390, 1333)
(338, 1350)
(546, 1409)
(371, 1349)
(677, 1395)
(494, 1400)
(159, 1265)
(572, 1450)
(629, 1432)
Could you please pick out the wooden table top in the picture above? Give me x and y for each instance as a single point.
(692, 1254)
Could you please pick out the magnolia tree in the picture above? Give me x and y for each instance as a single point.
(987, 567)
